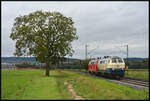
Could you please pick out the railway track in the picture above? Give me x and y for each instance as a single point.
(132, 82)
(136, 82)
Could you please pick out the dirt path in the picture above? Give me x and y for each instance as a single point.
(76, 97)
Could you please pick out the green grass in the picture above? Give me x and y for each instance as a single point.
(94, 88)
(135, 73)
(32, 84)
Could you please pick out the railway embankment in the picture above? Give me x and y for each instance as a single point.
(135, 83)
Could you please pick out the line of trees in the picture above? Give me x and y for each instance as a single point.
(63, 63)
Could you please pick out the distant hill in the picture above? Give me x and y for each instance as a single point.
(137, 59)
(17, 59)
(27, 59)
(134, 63)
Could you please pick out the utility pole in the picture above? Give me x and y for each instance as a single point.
(127, 55)
(127, 60)
(85, 51)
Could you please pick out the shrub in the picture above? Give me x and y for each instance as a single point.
(25, 65)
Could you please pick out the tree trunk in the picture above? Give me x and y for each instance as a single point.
(47, 67)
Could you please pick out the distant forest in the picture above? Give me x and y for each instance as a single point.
(28, 59)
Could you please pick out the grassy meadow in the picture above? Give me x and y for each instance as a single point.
(32, 84)
(138, 73)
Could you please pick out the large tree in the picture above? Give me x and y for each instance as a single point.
(44, 35)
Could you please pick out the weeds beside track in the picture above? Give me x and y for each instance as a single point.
(138, 84)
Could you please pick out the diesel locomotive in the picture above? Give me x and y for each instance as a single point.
(109, 66)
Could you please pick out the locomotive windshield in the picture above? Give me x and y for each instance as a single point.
(117, 60)
(120, 61)
(114, 60)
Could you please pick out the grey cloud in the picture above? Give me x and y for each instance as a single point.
(103, 24)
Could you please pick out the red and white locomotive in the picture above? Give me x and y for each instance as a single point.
(111, 66)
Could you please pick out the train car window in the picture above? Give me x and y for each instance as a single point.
(114, 61)
(100, 62)
(120, 61)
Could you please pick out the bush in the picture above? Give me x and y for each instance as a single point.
(85, 63)
(25, 65)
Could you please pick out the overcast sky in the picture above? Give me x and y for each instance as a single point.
(106, 27)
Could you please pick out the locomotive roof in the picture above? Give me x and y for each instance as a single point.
(109, 57)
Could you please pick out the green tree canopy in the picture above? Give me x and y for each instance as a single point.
(45, 35)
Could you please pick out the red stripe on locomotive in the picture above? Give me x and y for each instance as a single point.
(93, 67)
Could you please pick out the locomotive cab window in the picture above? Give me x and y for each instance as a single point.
(120, 61)
(100, 62)
(114, 61)
(93, 62)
